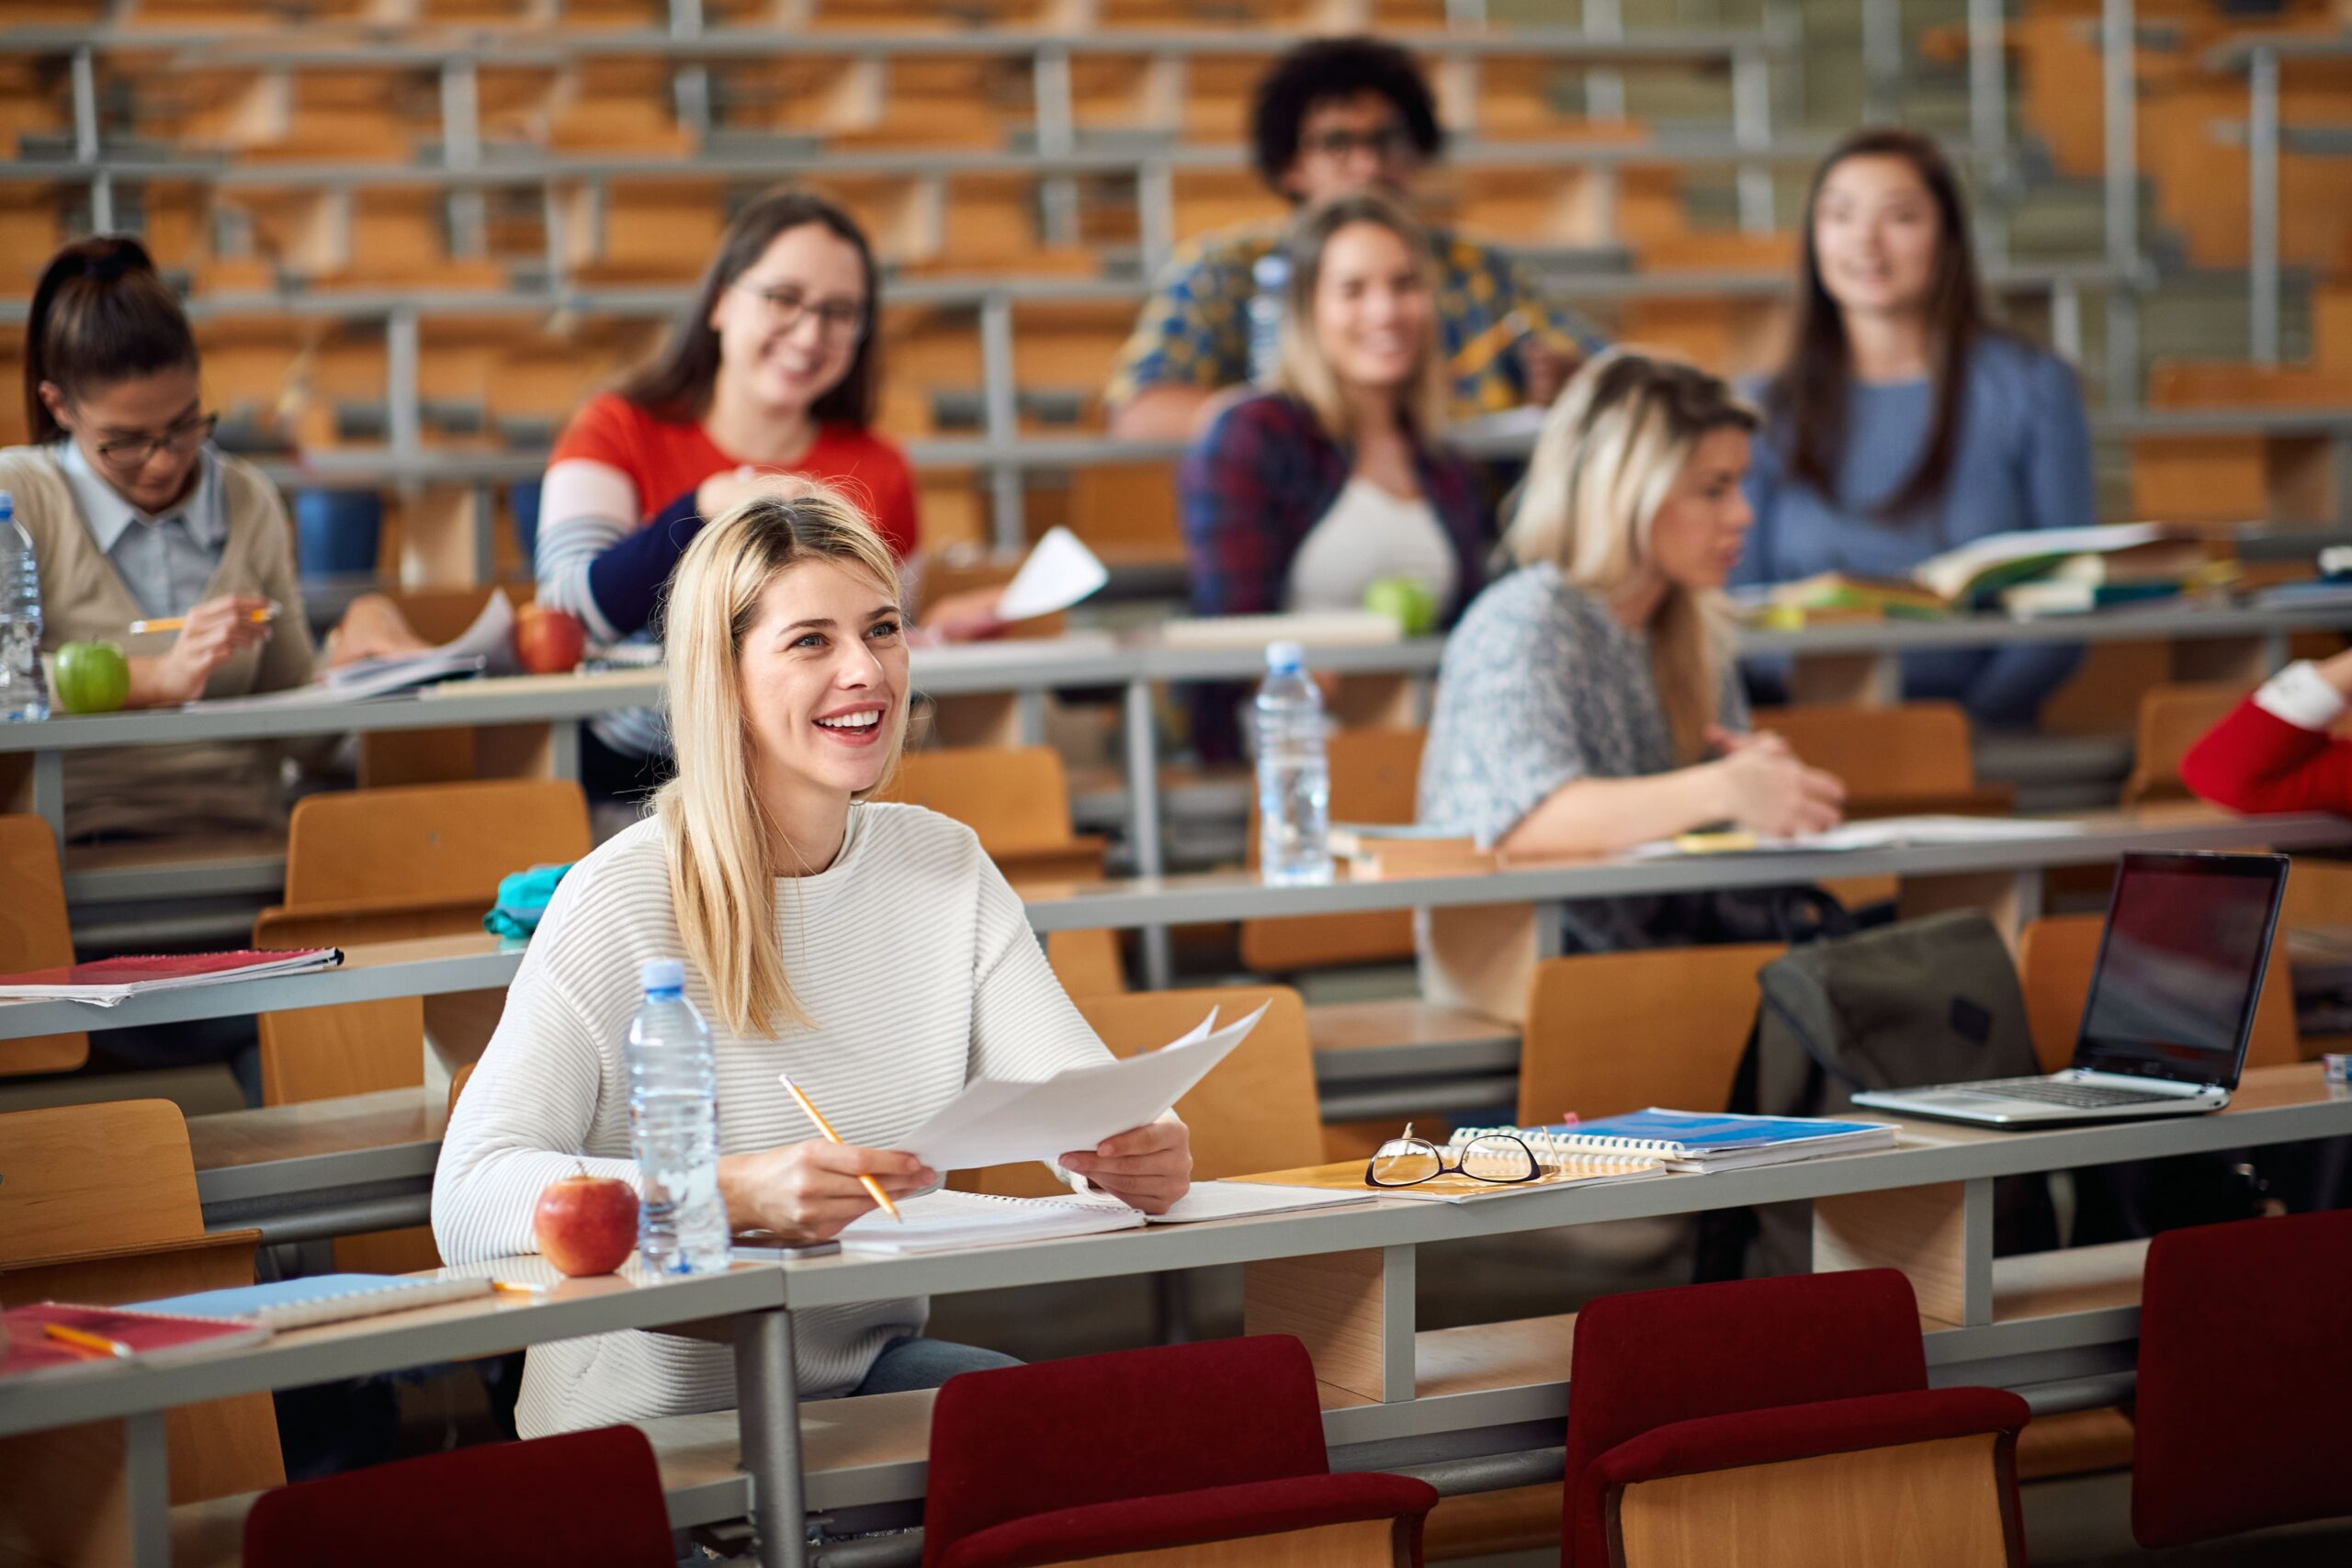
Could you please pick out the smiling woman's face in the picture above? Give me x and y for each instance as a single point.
(823, 677)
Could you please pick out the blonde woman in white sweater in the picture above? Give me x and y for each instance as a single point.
(870, 950)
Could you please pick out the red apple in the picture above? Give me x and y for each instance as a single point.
(586, 1224)
(547, 642)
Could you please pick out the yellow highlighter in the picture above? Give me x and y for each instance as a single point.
(1724, 843)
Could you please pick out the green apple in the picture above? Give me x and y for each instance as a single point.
(91, 677)
(1404, 600)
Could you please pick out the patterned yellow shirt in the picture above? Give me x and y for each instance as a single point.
(1194, 330)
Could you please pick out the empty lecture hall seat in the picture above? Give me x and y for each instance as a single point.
(1609, 1032)
(1912, 756)
(98, 1203)
(589, 1499)
(2245, 1372)
(34, 935)
(2172, 719)
(1016, 798)
(1757, 1424)
(1218, 1460)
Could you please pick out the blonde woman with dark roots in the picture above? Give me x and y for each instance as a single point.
(869, 950)
(1587, 702)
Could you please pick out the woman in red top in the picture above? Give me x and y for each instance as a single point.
(2273, 753)
(771, 371)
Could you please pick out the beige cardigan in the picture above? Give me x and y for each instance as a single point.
(177, 790)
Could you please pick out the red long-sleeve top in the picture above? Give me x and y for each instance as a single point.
(2253, 760)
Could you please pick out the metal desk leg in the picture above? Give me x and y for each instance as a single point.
(1143, 819)
(768, 1422)
(49, 790)
(563, 748)
(147, 1490)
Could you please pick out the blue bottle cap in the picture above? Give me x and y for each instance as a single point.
(664, 974)
(1285, 657)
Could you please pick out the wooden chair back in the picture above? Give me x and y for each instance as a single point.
(1783, 1513)
(34, 935)
(98, 1203)
(1017, 799)
(1256, 1111)
(1609, 1032)
(945, 576)
(2172, 718)
(2055, 956)
(1910, 757)
(1376, 775)
(447, 841)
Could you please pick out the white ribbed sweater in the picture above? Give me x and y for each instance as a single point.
(913, 956)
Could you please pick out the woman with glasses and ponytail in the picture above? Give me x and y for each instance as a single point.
(135, 516)
(770, 377)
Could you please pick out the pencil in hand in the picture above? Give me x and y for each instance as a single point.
(262, 617)
(810, 1108)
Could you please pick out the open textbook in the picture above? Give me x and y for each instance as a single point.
(997, 1121)
(948, 1220)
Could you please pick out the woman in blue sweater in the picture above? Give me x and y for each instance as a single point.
(1904, 423)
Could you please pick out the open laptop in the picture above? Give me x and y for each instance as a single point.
(2171, 1003)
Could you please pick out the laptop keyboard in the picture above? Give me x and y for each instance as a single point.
(2075, 1096)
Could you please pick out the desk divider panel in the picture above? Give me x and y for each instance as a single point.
(1352, 1310)
(1483, 957)
(1939, 1236)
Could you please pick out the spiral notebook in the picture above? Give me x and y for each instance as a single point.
(323, 1298)
(1687, 1140)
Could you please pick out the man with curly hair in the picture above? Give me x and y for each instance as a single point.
(1335, 117)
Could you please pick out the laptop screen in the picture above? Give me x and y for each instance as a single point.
(2180, 965)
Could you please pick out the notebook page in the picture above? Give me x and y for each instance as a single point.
(943, 1221)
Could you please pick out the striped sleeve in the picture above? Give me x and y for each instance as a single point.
(586, 508)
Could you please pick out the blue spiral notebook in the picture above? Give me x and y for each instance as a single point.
(324, 1298)
(1695, 1142)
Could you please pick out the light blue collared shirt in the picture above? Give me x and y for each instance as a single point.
(167, 562)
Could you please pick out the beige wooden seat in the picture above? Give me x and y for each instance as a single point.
(2055, 956)
(1017, 799)
(1255, 1112)
(1615, 1032)
(1913, 757)
(1374, 773)
(98, 1204)
(34, 935)
(381, 865)
(2172, 719)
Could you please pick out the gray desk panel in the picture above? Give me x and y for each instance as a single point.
(407, 1340)
(447, 964)
(1929, 1155)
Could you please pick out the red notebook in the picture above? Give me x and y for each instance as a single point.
(111, 980)
(30, 1351)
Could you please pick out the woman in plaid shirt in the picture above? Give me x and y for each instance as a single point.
(1302, 496)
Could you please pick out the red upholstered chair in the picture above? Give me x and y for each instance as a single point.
(578, 1500)
(1140, 1451)
(1805, 1361)
(2245, 1374)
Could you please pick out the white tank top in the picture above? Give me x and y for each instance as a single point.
(1367, 535)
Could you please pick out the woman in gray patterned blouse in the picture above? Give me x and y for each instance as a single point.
(1588, 701)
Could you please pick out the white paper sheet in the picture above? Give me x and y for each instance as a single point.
(1880, 833)
(486, 646)
(1059, 573)
(998, 1123)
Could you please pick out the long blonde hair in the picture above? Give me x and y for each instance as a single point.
(1610, 449)
(722, 870)
(1301, 367)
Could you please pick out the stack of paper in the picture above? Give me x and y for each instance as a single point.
(1688, 1141)
(108, 981)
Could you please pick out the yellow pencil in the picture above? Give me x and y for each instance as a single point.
(82, 1341)
(826, 1127)
(262, 617)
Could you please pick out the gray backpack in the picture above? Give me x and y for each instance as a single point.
(1926, 1001)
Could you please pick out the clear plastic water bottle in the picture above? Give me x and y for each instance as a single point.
(1271, 275)
(674, 1128)
(24, 690)
(1293, 779)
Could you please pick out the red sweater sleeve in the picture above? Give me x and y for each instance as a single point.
(2253, 760)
